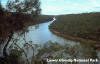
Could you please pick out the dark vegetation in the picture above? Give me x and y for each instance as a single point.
(14, 18)
(85, 25)
(55, 50)
(51, 50)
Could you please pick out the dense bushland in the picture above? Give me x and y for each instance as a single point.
(85, 25)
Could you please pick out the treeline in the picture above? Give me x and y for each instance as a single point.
(85, 25)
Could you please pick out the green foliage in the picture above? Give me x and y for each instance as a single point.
(56, 50)
(88, 46)
(25, 6)
(13, 58)
(84, 25)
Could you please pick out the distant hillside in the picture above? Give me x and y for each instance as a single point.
(86, 25)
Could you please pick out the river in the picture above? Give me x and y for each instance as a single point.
(40, 34)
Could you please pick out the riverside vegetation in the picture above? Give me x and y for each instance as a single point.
(51, 50)
(78, 27)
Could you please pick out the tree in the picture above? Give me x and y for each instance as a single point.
(37, 9)
(20, 7)
(1, 8)
(25, 6)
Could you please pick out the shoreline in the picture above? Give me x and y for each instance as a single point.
(76, 39)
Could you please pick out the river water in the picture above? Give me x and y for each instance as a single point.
(41, 34)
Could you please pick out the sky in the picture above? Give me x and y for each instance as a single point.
(56, 7)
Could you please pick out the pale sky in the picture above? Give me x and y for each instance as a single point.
(56, 7)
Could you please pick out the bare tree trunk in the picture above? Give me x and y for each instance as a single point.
(6, 45)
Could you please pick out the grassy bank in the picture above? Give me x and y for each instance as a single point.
(80, 26)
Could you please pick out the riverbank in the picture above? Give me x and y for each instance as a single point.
(78, 27)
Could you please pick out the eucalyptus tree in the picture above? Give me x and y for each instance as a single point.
(24, 6)
(21, 7)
